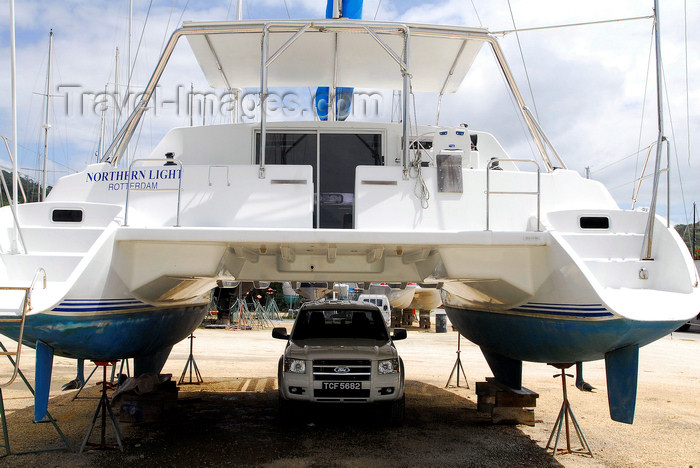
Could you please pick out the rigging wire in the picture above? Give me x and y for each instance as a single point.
(558, 26)
(475, 12)
(377, 10)
(287, 8)
(132, 65)
(522, 57)
(179, 20)
(644, 102)
(687, 94)
(167, 26)
(622, 159)
(675, 148)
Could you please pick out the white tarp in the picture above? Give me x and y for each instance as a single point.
(311, 61)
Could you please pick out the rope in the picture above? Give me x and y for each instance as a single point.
(420, 189)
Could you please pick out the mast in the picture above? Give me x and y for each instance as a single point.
(15, 169)
(240, 10)
(649, 232)
(46, 119)
(128, 70)
(103, 124)
(693, 231)
(116, 93)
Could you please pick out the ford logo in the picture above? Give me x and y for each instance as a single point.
(341, 370)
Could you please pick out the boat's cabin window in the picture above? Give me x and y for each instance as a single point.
(67, 216)
(594, 222)
(334, 157)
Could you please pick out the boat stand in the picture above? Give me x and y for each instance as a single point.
(75, 397)
(563, 419)
(49, 418)
(191, 364)
(103, 409)
(121, 371)
(458, 366)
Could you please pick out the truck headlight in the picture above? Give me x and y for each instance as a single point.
(297, 366)
(388, 366)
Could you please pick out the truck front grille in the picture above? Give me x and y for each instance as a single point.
(346, 370)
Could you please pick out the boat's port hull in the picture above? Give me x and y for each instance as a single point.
(108, 335)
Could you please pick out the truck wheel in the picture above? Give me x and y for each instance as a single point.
(397, 411)
(286, 410)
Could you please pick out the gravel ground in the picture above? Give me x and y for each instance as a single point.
(232, 418)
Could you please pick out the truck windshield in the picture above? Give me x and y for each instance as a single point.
(359, 324)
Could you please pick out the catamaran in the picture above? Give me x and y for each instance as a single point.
(536, 262)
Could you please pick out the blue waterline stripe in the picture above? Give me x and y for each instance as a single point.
(100, 309)
(534, 307)
(80, 301)
(100, 304)
(564, 305)
(563, 313)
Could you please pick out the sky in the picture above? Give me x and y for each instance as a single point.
(592, 87)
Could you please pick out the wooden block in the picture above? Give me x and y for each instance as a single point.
(485, 404)
(513, 399)
(513, 416)
(486, 388)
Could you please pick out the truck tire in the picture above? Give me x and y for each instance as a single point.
(287, 410)
(397, 411)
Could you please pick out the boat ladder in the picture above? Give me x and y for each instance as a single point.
(14, 357)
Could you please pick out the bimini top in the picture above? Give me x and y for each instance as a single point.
(343, 52)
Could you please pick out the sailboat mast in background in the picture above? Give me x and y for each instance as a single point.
(47, 126)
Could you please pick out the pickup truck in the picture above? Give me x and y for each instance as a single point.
(342, 352)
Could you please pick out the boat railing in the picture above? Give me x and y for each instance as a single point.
(228, 178)
(26, 307)
(9, 198)
(493, 164)
(168, 162)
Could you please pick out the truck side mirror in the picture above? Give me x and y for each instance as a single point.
(399, 334)
(280, 333)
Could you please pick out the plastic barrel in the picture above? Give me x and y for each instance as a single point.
(440, 322)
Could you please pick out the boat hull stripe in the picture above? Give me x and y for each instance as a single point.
(596, 308)
(564, 313)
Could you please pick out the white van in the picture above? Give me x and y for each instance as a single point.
(381, 301)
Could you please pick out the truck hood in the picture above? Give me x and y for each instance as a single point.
(341, 349)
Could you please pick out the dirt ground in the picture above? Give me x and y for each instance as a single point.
(231, 419)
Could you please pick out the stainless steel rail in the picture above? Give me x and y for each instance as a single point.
(179, 186)
(9, 199)
(26, 308)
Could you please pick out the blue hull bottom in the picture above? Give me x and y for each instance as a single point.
(553, 340)
(110, 336)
